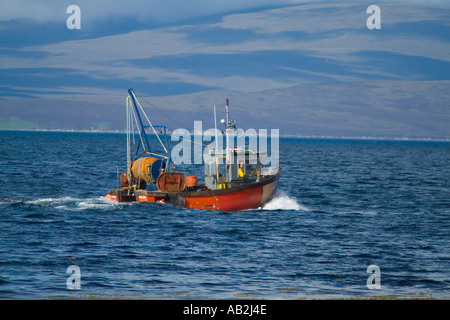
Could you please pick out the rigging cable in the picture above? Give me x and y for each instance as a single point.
(166, 115)
(157, 109)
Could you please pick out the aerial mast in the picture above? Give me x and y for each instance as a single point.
(228, 115)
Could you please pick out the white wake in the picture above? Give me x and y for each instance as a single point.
(69, 203)
(282, 201)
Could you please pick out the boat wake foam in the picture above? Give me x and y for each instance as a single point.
(282, 201)
(74, 204)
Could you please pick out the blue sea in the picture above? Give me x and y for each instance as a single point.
(341, 206)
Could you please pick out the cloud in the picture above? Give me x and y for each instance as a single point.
(340, 31)
(159, 11)
(156, 10)
(245, 51)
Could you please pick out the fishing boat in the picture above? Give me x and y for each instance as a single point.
(235, 178)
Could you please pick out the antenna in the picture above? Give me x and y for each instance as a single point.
(228, 114)
(231, 124)
(215, 127)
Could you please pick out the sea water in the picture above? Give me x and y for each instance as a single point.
(341, 206)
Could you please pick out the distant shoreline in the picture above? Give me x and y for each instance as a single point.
(294, 136)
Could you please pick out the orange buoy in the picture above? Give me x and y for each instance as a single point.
(191, 181)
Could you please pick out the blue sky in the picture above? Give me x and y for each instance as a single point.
(172, 47)
(161, 11)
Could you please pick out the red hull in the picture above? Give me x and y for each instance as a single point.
(248, 196)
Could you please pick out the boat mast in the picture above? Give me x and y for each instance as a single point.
(227, 134)
(134, 110)
(215, 128)
(146, 144)
(128, 140)
(228, 116)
